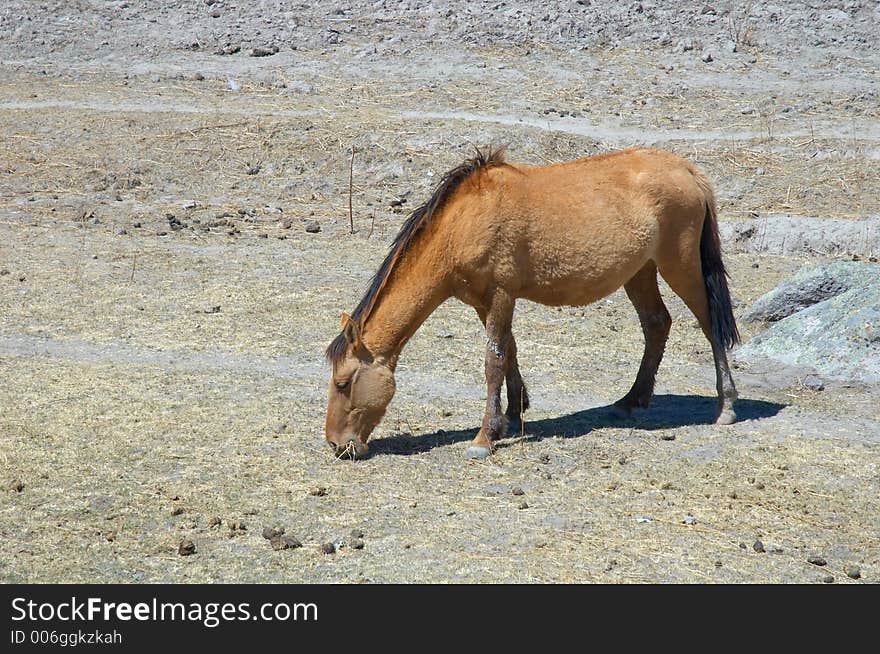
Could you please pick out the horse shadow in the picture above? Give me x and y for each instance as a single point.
(666, 412)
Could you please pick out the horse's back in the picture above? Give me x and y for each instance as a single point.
(573, 232)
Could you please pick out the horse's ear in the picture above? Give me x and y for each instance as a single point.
(351, 330)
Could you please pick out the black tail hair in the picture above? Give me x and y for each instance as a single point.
(724, 330)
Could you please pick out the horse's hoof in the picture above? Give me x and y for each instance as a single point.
(477, 452)
(727, 417)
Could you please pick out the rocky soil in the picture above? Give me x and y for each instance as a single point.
(175, 251)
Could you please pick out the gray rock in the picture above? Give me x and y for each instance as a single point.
(813, 383)
(808, 287)
(830, 323)
(263, 51)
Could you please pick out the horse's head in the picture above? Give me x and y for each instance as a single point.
(360, 390)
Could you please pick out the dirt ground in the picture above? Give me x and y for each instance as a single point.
(163, 310)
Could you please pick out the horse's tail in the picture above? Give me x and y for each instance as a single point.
(724, 330)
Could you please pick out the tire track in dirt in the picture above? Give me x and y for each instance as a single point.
(314, 373)
(577, 127)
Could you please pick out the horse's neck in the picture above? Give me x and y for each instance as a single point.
(418, 284)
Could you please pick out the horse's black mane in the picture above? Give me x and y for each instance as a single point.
(410, 229)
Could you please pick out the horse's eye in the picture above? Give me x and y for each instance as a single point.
(342, 385)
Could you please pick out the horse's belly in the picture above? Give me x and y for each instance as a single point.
(572, 290)
(578, 276)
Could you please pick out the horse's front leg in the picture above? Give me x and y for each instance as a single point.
(498, 324)
(517, 394)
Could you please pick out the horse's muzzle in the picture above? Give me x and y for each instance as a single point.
(353, 449)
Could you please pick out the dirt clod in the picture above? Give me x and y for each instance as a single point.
(852, 571)
(313, 227)
(518, 491)
(328, 548)
(318, 491)
(356, 533)
(186, 548)
(175, 223)
(16, 486)
(817, 560)
(284, 542)
(758, 547)
(272, 532)
(356, 544)
(263, 51)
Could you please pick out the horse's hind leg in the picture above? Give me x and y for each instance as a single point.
(643, 292)
(687, 282)
(517, 394)
(498, 322)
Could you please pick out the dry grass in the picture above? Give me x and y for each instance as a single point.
(124, 398)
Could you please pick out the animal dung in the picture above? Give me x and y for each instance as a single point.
(285, 543)
(186, 548)
(272, 532)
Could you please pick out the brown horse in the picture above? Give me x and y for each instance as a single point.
(564, 234)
